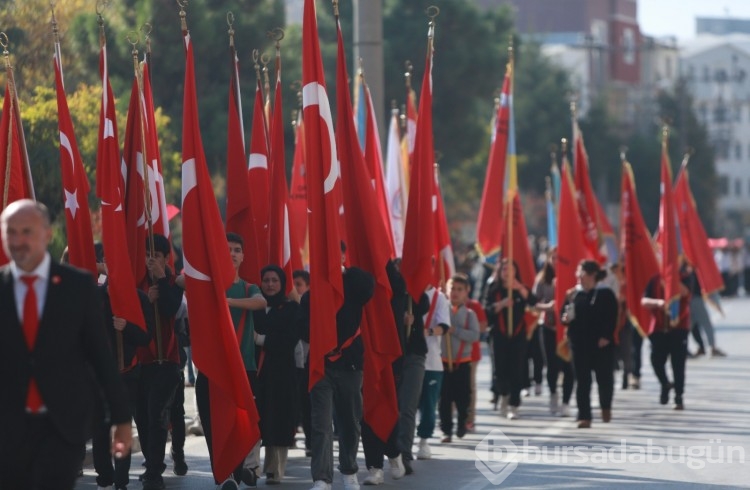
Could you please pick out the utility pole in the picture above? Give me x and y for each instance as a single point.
(368, 45)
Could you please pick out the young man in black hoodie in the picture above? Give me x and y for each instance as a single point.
(341, 387)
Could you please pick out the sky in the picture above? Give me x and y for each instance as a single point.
(677, 17)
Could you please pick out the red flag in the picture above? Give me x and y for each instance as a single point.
(110, 188)
(419, 246)
(588, 204)
(445, 266)
(239, 206)
(134, 197)
(374, 160)
(369, 249)
(298, 193)
(489, 222)
(640, 261)
(670, 264)
(410, 135)
(257, 176)
(570, 250)
(693, 236)
(283, 248)
(75, 183)
(322, 200)
(208, 274)
(520, 237)
(15, 174)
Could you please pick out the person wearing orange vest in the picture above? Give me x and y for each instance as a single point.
(463, 332)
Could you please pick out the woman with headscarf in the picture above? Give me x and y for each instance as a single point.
(590, 312)
(277, 332)
(507, 298)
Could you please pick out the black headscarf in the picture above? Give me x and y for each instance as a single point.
(279, 298)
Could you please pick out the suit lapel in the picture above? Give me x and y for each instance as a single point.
(11, 327)
(54, 282)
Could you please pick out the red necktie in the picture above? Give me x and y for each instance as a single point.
(30, 328)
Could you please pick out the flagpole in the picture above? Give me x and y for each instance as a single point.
(146, 188)
(11, 90)
(509, 218)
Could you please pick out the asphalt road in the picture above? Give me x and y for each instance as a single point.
(645, 445)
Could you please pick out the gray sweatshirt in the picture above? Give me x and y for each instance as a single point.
(467, 332)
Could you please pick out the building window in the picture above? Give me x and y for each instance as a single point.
(738, 188)
(738, 113)
(628, 46)
(737, 151)
(724, 185)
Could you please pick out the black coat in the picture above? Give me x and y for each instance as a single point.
(71, 357)
(277, 398)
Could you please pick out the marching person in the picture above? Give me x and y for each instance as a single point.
(277, 334)
(590, 312)
(509, 343)
(699, 318)
(668, 338)
(463, 332)
(301, 354)
(53, 341)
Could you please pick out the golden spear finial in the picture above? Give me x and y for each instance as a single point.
(230, 31)
(183, 15)
(336, 9)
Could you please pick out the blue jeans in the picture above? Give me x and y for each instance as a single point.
(431, 386)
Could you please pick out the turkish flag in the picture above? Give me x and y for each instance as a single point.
(298, 193)
(419, 236)
(283, 248)
(239, 206)
(208, 274)
(640, 260)
(587, 202)
(369, 249)
(670, 264)
(693, 236)
(490, 220)
(110, 188)
(570, 250)
(445, 266)
(322, 163)
(134, 203)
(75, 183)
(257, 177)
(15, 175)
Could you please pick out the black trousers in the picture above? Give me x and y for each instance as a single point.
(673, 345)
(696, 331)
(637, 358)
(555, 365)
(375, 448)
(42, 460)
(588, 357)
(177, 417)
(510, 355)
(303, 396)
(107, 474)
(456, 389)
(534, 353)
(203, 400)
(156, 391)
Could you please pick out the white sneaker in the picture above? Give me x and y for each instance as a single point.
(565, 410)
(321, 485)
(228, 484)
(397, 467)
(525, 392)
(374, 478)
(350, 482)
(504, 402)
(513, 414)
(554, 403)
(424, 451)
(537, 389)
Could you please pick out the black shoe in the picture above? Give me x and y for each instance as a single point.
(153, 483)
(664, 397)
(461, 432)
(407, 466)
(249, 477)
(179, 467)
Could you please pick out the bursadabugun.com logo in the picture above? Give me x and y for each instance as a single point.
(496, 457)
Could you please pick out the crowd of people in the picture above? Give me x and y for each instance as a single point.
(435, 378)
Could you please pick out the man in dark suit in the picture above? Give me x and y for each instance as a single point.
(54, 357)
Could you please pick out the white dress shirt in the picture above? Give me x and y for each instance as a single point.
(40, 285)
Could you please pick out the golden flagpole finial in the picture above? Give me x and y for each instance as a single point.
(4, 42)
(146, 29)
(183, 15)
(407, 74)
(564, 145)
(624, 154)
(336, 9)
(230, 31)
(55, 27)
(276, 35)
(553, 153)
